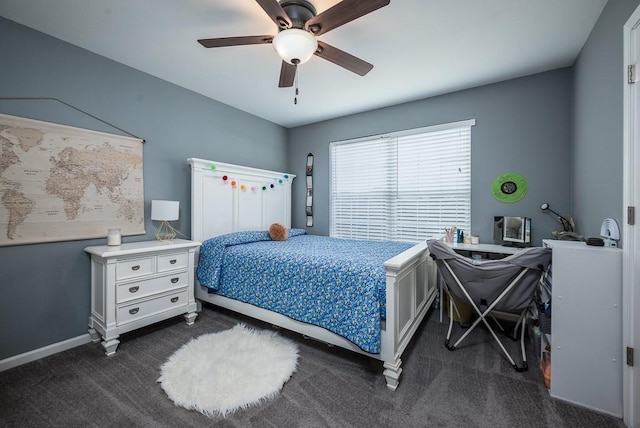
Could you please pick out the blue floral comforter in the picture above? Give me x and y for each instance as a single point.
(337, 284)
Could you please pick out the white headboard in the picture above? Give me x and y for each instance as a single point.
(231, 198)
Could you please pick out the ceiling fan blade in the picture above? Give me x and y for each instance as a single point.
(276, 13)
(235, 41)
(343, 59)
(287, 75)
(341, 13)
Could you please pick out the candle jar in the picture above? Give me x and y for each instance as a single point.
(113, 237)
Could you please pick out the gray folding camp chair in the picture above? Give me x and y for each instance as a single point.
(507, 285)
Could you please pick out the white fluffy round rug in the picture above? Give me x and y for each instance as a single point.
(219, 373)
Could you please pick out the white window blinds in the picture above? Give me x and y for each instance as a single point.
(406, 186)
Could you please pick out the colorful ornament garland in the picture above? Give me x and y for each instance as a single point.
(243, 187)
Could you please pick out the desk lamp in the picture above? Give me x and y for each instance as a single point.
(567, 225)
(165, 211)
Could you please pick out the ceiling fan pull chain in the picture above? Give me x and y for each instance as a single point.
(295, 99)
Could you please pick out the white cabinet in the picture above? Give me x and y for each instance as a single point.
(586, 325)
(137, 284)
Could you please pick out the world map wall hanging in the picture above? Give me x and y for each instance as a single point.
(509, 187)
(60, 183)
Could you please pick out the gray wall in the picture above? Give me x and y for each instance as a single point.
(522, 125)
(598, 122)
(45, 287)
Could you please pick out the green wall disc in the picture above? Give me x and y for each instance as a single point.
(509, 187)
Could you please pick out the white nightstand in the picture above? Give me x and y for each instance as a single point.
(137, 284)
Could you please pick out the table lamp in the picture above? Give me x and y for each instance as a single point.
(567, 224)
(165, 211)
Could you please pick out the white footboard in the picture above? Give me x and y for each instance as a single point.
(411, 289)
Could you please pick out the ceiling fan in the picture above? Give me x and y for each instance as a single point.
(298, 26)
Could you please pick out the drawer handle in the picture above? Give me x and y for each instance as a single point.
(174, 280)
(173, 262)
(134, 311)
(174, 299)
(136, 267)
(133, 289)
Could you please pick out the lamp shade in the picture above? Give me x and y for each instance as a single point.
(295, 46)
(165, 210)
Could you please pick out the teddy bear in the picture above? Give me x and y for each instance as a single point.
(278, 232)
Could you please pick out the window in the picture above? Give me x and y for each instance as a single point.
(405, 186)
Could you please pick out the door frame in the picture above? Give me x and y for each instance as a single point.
(631, 198)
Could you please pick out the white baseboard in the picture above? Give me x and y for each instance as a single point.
(36, 354)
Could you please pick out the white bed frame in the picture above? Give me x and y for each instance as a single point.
(229, 198)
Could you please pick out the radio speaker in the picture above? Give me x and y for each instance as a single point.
(498, 223)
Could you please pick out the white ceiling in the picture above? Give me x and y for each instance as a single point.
(419, 48)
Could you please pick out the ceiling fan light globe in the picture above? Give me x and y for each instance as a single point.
(295, 46)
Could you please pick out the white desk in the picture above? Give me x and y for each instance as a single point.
(485, 248)
(586, 323)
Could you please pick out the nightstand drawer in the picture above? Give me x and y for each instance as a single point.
(133, 268)
(129, 313)
(147, 287)
(167, 262)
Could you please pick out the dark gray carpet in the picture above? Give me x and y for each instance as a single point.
(473, 386)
